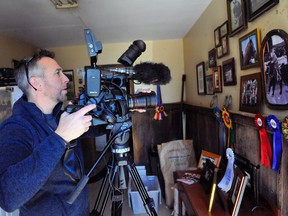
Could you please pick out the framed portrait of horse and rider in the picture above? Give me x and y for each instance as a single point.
(274, 68)
(249, 47)
(236, 11)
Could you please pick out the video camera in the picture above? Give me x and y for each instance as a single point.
(108, 88)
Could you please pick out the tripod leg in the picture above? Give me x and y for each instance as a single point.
(147, 201)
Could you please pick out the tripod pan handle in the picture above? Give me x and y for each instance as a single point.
(80, 186)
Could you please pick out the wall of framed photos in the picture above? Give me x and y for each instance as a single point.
(218, 40)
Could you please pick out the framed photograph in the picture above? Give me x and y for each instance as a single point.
(219, 51)
(209, 85)
(214, 158)
(229, 75)
(212, 58)
(252, 171)
(217, 41)
(251, 93)
(201, 85)
(249, 47)
(274, 68)
(257, 7)
(206, 178)
(216, 76)
(70, 85)
(225, 45)
(237, 191)
(224, 29)
(236, 16)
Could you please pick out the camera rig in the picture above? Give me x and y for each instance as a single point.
(107, 90)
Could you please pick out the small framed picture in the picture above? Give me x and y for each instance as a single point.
(224, 29)
(215, 158)
(274, 68)
(236, 16)
(209, 85)
(229, 75)
(249, 47)
(225, 45)
(206, 178)
(257, 7)
(237, 191)
(212, 58)
(217, 41)
(201, 85)
(216, 76)
(219, 51)
(251, 93)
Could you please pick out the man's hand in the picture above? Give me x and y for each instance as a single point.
(71, 126)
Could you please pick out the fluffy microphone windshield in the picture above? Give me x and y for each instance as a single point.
(152, 73)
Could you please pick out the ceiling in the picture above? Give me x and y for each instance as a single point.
(113, 21)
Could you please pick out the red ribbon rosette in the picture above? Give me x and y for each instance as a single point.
(265, 147)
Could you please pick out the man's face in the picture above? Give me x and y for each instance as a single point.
(54, 87)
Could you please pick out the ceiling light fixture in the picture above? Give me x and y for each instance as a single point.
(65, 4)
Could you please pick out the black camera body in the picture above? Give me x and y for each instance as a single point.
(109, 89)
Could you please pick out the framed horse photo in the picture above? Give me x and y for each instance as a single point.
(237, 21)
(274, 68)
(257, 7)
(250, 93)
(249, 48)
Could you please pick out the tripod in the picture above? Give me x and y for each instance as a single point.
(114, 177)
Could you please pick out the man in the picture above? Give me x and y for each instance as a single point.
(274, 73)
(40, 163)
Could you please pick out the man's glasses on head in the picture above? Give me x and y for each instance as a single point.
(27, 62)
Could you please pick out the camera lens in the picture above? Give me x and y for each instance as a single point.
(142, 100)
(132, 53)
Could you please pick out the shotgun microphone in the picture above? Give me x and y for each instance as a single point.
(152, 73)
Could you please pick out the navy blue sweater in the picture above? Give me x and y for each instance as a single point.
(32, 177)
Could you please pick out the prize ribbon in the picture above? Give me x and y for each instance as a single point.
(228, 123)
(222, 130)
(284, 127)
(265, 147)
(226, 182)
(274, 126)
(159, 109)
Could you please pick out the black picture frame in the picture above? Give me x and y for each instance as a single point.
(209, 85)
(223, 29)
(217, 40)
(229, 74)
(236, 192)
(252, 171)
(217, 79)
(236, 11)
(249, 49)
(206, 178)
(277, 40)
(201, 84)
(251, 93)
(225, 45)
(255, 8)
(212, 58)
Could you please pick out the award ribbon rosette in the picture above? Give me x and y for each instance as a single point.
(274, 126)
(222, 130)
(265, 147)
(226, 182)
(159, 109)
(228, 123)
(284, 127)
